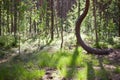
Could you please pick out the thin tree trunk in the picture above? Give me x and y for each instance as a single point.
(3, 20)
(35, 31)
(78, 8)
(12, 20)
(62, 25)
(12, 23)
(119, 28)
(15, 17)
(30, 29)
(95, 24)
(15, 22)
(52, 20)
(8, 18)
(61, 33)
(47, 28)
(0, 18)
(119, 17)
(56, 28)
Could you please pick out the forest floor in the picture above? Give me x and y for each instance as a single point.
(54, 74)
(110, 67)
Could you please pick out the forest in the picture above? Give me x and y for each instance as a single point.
(59, 39)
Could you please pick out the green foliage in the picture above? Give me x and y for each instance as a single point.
(110, 40)
(7, 41)
(117, 42)
(61, 59)
(101, 45)
(19, 72)
(74, 65)
(71, 17)
(54, 59)
(2, 54)
(102, 74)
(117, 70)
(82, 74)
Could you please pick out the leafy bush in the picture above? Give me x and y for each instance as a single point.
(116, 42)
(117, 70)
(110, 40)
(7, 41)
(101, 45)
(2, 54)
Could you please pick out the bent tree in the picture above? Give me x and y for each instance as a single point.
(79, 39)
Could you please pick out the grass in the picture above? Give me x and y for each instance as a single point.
(117, 70)
(19, 72)
(102, 74)
(74, 65)
(60, 59)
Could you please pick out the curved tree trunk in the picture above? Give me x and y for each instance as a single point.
(79, 39)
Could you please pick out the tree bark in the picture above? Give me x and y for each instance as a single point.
(0, 18)
(52, 20)
(79, 39)
(30, 27)
(61, 33)
(8, 12)
(95, 23)
(78, 8)
(35, 27)
(119, 27)
(15, 22)
(119, 17)
(15, 17)
(12, 20)
(61, 25)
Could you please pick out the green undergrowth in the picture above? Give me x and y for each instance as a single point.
(117, 70)
(7, 41)
(60, 59)
(76, 65)
(19, 72)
